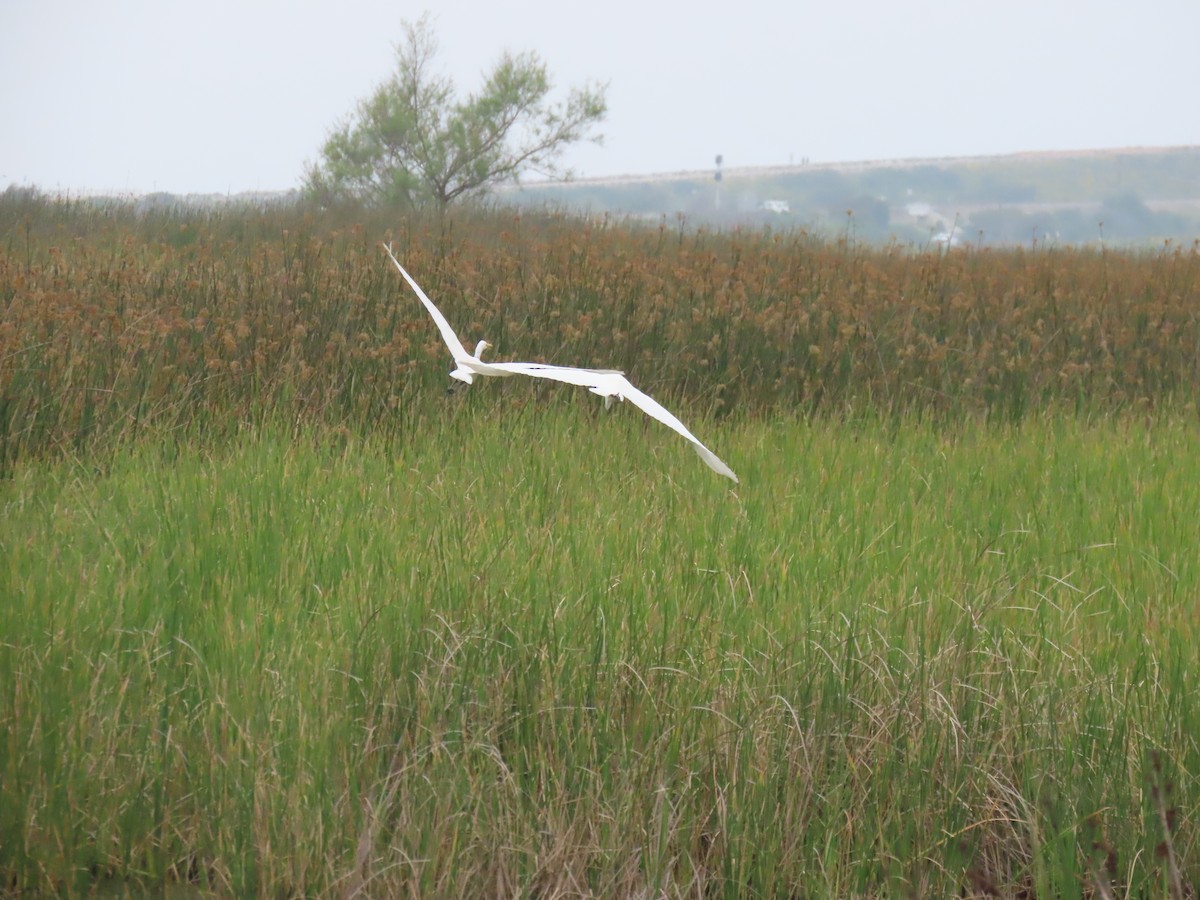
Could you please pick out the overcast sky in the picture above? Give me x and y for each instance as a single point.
(234, 95)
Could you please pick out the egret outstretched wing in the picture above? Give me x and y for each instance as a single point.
(655, 410)
(612, 383)
(599, 380)
(457, 350)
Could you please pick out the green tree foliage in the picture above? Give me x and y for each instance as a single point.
(413, 142)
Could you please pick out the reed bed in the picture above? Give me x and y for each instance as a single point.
(111, 321)
(280, 617)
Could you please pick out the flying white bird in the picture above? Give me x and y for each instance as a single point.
(608, 383)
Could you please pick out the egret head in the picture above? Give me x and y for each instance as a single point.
(480, 347)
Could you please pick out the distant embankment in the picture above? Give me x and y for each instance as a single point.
(862, 165)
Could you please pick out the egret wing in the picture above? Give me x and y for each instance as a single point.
(592, 378)
(611, 383)
(656, 410)
(457, 350)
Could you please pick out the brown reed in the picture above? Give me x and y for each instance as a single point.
(111, 321)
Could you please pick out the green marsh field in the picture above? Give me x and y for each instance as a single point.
(280, 617)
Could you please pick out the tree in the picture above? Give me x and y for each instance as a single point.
(413, 142)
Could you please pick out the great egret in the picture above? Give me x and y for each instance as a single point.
(608, 383)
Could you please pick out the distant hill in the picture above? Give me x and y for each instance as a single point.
(1140, 195)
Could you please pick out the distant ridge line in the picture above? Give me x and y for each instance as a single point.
(852, 166)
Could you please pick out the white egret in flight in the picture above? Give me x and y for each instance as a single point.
(608, 383)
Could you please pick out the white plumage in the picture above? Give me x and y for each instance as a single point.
(608, 383)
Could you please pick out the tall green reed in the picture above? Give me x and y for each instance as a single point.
(519, 649)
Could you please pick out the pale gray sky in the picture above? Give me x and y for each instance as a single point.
(233, 95)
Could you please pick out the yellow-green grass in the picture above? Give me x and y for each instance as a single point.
(541, 650)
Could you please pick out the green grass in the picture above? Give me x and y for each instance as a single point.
(542, 650)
